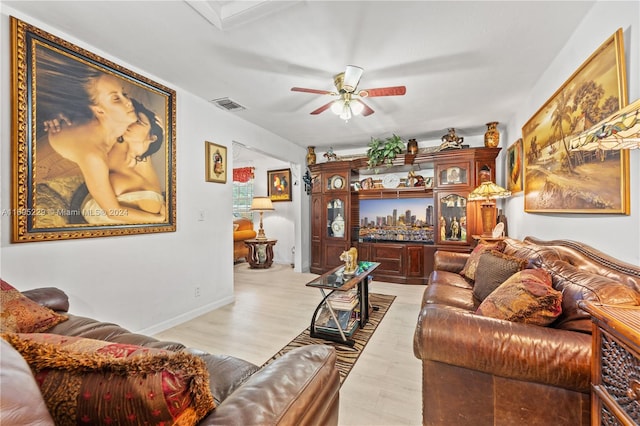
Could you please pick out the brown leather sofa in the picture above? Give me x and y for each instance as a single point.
(299, 388)
(484, 371)
(243, 232)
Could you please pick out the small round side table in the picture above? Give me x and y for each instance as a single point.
(260, 253)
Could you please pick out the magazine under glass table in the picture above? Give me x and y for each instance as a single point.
(338, 325)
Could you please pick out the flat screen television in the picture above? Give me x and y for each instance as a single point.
(397, 219)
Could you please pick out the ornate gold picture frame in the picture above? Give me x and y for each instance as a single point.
(93, 144)
(216, 163)
(559, 180)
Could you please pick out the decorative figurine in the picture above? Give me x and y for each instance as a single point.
(350, 259)
(330, 155)
(414, 180)
(455, 229)
(308, 182)
(451, 140)
(412, 146)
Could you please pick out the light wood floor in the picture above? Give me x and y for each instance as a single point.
(272, 306)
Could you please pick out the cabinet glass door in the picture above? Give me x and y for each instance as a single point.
(336, 219)
(452, 223)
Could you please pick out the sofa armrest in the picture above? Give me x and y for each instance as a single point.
(520, 351)
(449, 261)
(49, 297)
(299, 388)
(246, 234)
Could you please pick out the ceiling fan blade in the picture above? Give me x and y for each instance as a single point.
(383, 91)
(323, 108)
(366, 108)
(316, 91)
(351, 78)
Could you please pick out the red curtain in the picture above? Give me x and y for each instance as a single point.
(243, 174)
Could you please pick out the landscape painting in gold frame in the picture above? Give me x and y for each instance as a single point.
(216, 163)
(558, 180)
(515, 167)
(93, 144)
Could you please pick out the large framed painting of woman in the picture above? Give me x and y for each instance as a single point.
(93, 144)
(558, 179)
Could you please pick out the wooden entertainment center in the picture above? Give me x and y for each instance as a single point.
(401, 239)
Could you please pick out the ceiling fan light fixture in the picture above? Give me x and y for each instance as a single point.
(337, 106)
(351, 78)
(356, 107)
(346, 112)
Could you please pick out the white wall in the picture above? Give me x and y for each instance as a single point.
(617, 235)
(145, 282)
(278, 224)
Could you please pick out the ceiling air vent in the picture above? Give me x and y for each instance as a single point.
(227, 104)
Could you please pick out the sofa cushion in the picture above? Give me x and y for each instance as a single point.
(21, 402)
(449, 296)
(19, 314)
(469, 270)
(493, 269)
(577, 284)
(535, 254)
(526, 297)
(92, 381)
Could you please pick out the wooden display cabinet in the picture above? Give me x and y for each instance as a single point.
(451, 175)
(331, 213)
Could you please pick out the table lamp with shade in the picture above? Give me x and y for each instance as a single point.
(261, 204)
(487, 192)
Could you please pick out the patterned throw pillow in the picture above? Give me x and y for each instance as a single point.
(87, 381)
(469, 270)
(19, 314)
(526, 297)
(21, 402)
(493, 269)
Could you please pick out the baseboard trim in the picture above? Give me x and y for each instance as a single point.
(165, 325)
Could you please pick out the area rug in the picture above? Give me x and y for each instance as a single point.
(347, 356)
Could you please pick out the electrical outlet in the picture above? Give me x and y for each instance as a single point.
(201, 215)
(197, 292)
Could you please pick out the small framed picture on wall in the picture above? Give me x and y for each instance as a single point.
(216, 163)
(279, 184)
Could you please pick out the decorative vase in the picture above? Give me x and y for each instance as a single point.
(262, 253)
(492, 137)
(412, 146)
(337, 226)
(311, 155)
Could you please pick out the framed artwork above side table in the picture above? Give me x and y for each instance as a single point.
(279, 184)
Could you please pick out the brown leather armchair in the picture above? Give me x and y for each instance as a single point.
(243, 232)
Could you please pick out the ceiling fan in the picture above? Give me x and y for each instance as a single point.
(349, 102)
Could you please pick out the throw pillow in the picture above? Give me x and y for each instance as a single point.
(526, 297)
(469, 270)
(236, 226)
(19, 314)
(493, 269)
(21, 402)
(96, 382)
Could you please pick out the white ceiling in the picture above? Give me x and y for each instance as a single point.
(464, 63)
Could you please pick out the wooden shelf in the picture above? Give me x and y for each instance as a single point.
(413, 192)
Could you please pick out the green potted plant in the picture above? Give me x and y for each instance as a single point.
(384, 151)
